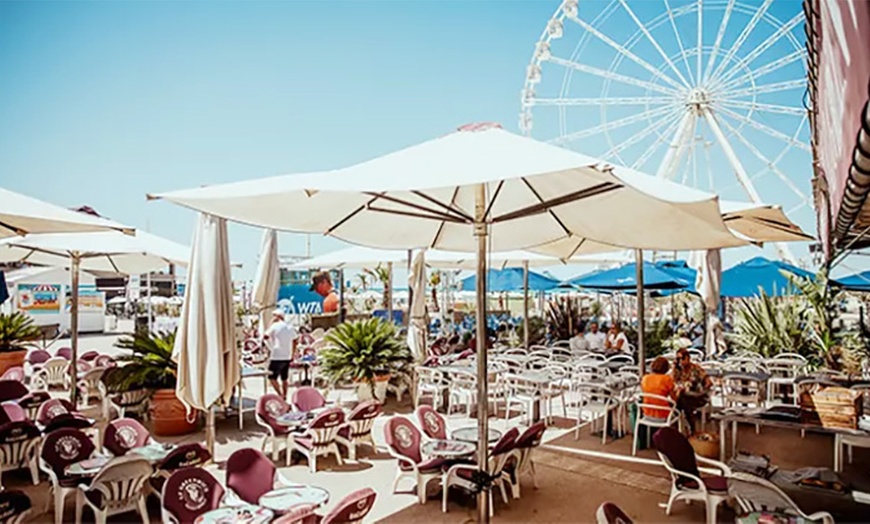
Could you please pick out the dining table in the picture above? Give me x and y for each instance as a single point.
(245, 514)
(283, 499)
(469, 434)
(448, 449)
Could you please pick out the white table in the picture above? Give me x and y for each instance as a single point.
(284, 499)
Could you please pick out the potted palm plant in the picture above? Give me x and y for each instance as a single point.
(149, 365)
(366, 352)
(18, 333)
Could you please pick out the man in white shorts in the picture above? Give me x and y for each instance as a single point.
(282, 339)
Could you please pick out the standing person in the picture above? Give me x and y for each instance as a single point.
(282, 339)
(693, 386)
(321, 283)
(616, 341)
(594, 338)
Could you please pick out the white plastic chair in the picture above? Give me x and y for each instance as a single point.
(318, 439)
(118, 488)
(53, 373)
(755, 493)
(669, 409)
(598, 400)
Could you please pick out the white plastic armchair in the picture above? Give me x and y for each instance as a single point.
(666, 406)
(118, 488)
(754, 493)
(53, 373)
(688, 487)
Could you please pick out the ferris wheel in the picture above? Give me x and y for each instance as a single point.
(708, 93)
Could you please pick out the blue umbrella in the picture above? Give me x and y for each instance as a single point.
(856, 282)
(748, 278)
(511, 279)
(624, 278)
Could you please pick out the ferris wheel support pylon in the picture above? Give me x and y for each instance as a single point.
(677, 147)
(740, 173)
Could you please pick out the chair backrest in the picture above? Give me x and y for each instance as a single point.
(54, 370)
(431, 422)
(677, 449)
(610, 513)
(362, 418)
(270, 407)
(352, 508)
(185, 456)
(506, 443)
(14, 505)
(754, 493)
(14, 412)
(104, 361)
(12, 390)
(532, 436)
(121, 482)
(38, 356)
(89, 356)
(190, 492)
(64, 352)
(325, 426)
(403, 438)
(83, 366)
(63, 447)
(17, 440)
(124, 434)
(307, 398)
(250, 474)
(14, 373)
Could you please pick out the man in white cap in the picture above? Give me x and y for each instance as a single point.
(282, 339)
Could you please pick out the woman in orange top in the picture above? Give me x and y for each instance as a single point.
(658, 383)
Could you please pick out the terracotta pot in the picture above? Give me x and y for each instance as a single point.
(364, 390)
(168, 416)
(12, 359)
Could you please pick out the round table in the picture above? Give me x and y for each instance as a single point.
(448, 448)
(469, 434)
(283, 499)
(293, 419)
(154, 452)
(87, 467)
(247, 514)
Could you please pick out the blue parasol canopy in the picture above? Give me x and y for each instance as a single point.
(747, 278)
(624, 278)
(511, 279)
(856, 282)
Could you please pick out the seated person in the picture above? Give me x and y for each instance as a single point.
(658, 382)
(578, 341)
(616, 341)
(594, 337)
(693, 386)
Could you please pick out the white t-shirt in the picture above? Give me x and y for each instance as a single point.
(578, 343)
(595, 341)
(614, 341)
(281, 337)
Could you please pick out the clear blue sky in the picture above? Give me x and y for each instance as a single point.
(101, 102)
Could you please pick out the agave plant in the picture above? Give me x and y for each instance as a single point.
(361, 350)
(537, 331)
(769, 326)
(563, 317)
(149, 363)
(17, 332)
(658, 337)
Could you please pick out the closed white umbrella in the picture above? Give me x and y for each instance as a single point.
(268, 278)
(24, 215)
(109, 251)
(477, 189)
(708, 265)
(205, 345)
(417, 309)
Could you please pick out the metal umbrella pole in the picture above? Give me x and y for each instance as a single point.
(74, 327)
(526, 304)
(641, 313)
(482, 396)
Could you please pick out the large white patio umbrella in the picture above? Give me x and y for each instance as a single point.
(708, 265)
(24, 215)
(108, 251)
(205, 345)
(417, 308)
(268, 278)
(477, 189)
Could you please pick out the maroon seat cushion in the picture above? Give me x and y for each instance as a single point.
(531, 437)
(250, 474)
(427, 466)
(185, 456)
(12, 504)
(404, 438)
(613, 514)
(714, 483)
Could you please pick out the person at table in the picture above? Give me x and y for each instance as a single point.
(281, 337)
(594, 338)
(321, 283)
(658, 382)
(693, 386)
(616, 341)
(578, 341)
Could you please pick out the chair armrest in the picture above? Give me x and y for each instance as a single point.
(456, 467)
(402, 458)
(232, 499)
(823, 516)
(726, 471)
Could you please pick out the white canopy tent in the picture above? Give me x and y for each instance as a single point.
(110, 251)
(478, 189)
(24, 215)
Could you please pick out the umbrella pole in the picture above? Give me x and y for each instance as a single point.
(388, 292)
(526, 304)
(641, 313)
(482, 395)
(209, 429)
(407, 320)
(74, 329)
(148, 283)
(342, 312)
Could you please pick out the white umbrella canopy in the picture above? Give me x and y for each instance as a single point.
(761, 222)
(354, 257)
(417, 309)
(205, 344)
(536, 193)
(268, 278)
(108, 251)
(24, 215)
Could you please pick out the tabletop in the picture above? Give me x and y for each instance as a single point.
(293, 419)
(448, 448)
(469, 434)
(87, 467)
(282, 499)
(754, 417)
(247, 514)
(154, 452)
